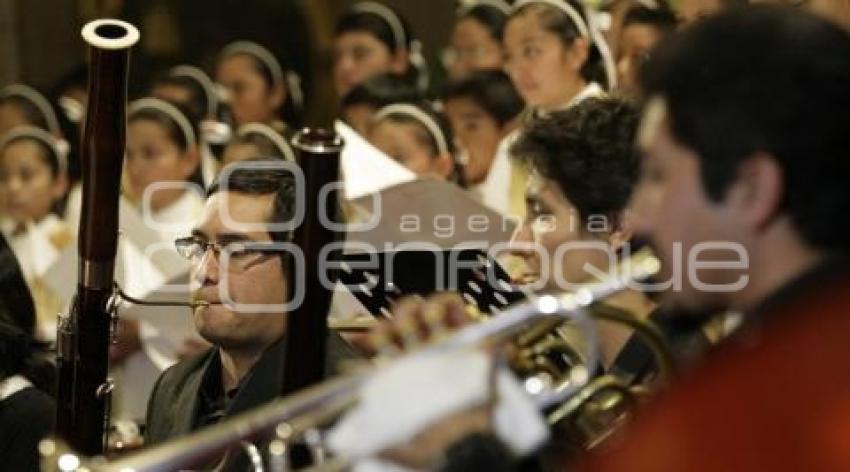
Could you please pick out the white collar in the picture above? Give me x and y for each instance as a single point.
(182, 210)
(591, 90)
(13, 385)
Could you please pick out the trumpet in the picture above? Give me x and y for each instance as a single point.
(299, 416)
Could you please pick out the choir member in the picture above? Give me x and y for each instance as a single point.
(484, 108)
(359, 105)
(551, 54)
(371, 39)
(255, 140)
(33, 184)
(476, 38)
(23, 105)
(194, 91)
(256, 84)
(555, 59)
(643, 27)
(162, 148)
(419, 137)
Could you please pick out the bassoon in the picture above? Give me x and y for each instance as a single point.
(318, 157)
(83, 337)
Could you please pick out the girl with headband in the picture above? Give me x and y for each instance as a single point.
(642, 28)
(33, 183)
(192, 89)
(484, 108)
(23, 105)
(187, 90)
(418, 137)
(258, 88)
(476, 40)
(255, 140)
(554, 56)
(555, 59)
(370, 39)
(360, 104)
(162, 146)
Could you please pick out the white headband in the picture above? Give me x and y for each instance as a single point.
(253, 49)
(420, 116)
(271, 135)
(293, 86)
(72, 108)
(467, 5)
(565, 7)
(650, 4)
(203, 80)
(58, 147)
(601, 44)
(390, 18)
(37, 99)
(171, 111)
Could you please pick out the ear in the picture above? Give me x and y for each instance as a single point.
(189, 162)
(577, 53)
(443, 165)
(60, 187)
(278, 95)
(511, 125)
(757, 192)
(399, 61)
(623, 230)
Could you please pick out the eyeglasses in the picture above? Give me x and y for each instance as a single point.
(240, 254)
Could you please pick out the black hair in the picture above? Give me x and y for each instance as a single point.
(48, 154)
(76, 79)
(559, 23)
(660, 17)
(492, 90)
(32, 114)
(371, 23)
(175, 132)
(197, 106)
(368, 22)
(488, 16)
(426, 138)
(173, 129)
(589, 151)
(266, 148)
(290, 112)
(381, 90)
(765, 79)
(246, 177)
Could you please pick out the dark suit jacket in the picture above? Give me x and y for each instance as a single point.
(174, 403)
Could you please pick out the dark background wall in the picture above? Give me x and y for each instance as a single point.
(40, 42)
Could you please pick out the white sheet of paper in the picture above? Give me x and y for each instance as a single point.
(365, 169)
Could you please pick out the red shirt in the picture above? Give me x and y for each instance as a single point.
(777, 398)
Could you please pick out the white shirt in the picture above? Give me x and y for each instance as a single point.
(34, 246)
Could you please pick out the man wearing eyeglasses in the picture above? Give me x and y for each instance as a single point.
(238, 274)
